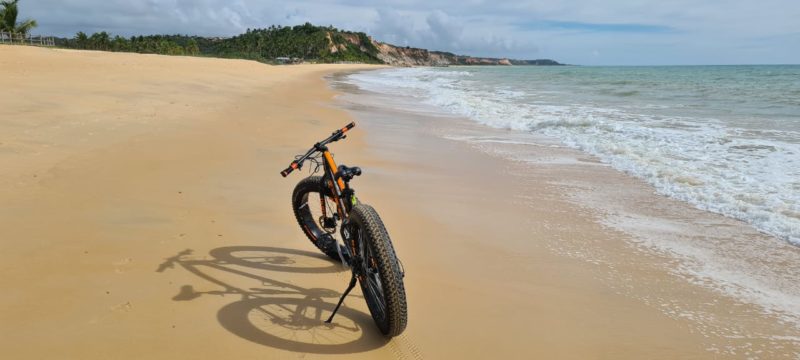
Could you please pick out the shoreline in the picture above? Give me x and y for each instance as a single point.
(675, 280)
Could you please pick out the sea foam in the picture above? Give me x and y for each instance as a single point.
(744, 172)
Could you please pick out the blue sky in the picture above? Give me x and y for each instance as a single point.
(630, 32)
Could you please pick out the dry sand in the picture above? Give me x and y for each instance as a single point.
(143, 217)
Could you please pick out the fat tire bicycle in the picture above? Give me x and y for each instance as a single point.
(362, 244)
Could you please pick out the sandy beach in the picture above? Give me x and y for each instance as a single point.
(144, 217)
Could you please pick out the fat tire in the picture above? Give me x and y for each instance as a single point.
(309, 186)
(366, 219)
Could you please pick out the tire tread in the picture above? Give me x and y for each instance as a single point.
(391, 276)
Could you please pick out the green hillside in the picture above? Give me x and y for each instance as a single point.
(306, 42)
(309, 42)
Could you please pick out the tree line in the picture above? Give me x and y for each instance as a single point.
(309, 42)
(306, 42)
(151, 44)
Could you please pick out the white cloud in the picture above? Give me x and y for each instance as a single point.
(444, 29)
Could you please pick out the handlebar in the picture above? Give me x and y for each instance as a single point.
(335, 136)
(291, 168)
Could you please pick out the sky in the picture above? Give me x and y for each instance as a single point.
(585, 32)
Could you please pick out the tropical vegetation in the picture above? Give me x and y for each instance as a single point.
(152, 44)
(305, 42)
(309, 42)
(9, 11)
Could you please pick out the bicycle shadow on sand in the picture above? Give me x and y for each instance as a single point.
(276, 313)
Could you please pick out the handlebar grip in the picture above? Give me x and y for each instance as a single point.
(289, 169)
(348, 127)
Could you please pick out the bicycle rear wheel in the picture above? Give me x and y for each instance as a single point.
(308, 199)
(382, 279)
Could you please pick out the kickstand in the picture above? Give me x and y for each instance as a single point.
(341, 300)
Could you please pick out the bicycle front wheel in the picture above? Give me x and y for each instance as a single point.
(382, 279)
(312, 203)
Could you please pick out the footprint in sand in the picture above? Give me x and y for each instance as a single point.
(124, 307)
(121, 266)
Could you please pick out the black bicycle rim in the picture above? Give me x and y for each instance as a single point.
(371, 284)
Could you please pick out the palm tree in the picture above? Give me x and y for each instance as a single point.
(8, 19)
(81, 40)
(100, 41)
(192, 48)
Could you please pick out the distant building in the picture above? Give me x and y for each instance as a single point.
(287, 60)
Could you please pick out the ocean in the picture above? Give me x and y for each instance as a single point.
(725, 139)
(722, 139)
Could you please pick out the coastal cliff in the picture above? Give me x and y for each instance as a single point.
(405, 56)
(409, 56)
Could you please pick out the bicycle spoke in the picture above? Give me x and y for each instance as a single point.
(372, 278)
(372, 285)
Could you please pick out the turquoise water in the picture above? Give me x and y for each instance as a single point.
(724, 138)
(761, 97)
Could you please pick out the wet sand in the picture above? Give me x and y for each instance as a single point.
(143, 217)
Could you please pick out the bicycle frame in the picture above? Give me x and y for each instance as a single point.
(342, 194)
(338, 187)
